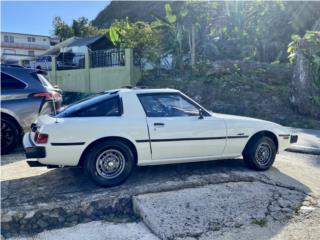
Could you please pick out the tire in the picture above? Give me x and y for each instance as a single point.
(109, 163)
(9, 136)
(260, 153)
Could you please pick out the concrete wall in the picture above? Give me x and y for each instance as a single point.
(72, 80)
(96, 79)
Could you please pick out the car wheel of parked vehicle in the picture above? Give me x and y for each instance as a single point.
(260, 153)
(109, 163)
(9, 136)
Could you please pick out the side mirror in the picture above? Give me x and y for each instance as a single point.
(200, 114)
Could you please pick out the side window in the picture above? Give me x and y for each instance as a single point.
(152, 106)
(8, 82)
(168, 105)
(110, 107)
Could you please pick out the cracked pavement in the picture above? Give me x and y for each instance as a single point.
(226, 207)
(219, 199)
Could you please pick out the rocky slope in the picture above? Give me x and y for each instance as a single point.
(243, 88)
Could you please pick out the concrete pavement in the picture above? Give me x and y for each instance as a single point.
(274, 206)
(228, 199)
(97, 230)
(220, 199)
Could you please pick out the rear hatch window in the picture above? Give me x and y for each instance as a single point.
(77, 107)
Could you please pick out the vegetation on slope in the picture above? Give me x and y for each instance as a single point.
(197, 35)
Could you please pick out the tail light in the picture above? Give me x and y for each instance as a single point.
(49, 96)
(41, 138)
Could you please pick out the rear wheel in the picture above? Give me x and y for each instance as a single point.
(9, 136)
(109, 163)
(260, 153)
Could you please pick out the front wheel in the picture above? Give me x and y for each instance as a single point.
(9, 136)
(109, 163)
(260, 153)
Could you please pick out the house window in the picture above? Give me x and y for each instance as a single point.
(31, 53)
(9, 51)
(31, 39)
(8, 39)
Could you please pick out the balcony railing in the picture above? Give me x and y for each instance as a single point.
(25, 46)
(109, 58)
(18, 54)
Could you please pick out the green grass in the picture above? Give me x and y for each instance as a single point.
(261, 222)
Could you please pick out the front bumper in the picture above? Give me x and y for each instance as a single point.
(293, 138)
(31, 150)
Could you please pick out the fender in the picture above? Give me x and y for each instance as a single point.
(12, 115)
(102, 138)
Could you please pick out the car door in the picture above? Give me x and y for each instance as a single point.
(177, 131)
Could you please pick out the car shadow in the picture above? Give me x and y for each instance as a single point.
(15, 156)
(67, 183)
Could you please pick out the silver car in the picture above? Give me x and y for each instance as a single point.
(25, 94)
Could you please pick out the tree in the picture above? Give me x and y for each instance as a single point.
(305, 88)
(142, 37)
(194, 32)
(80, 27)
(61, 29)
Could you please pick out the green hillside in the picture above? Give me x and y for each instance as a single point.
(134, 10)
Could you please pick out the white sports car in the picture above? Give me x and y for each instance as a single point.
(113, 131)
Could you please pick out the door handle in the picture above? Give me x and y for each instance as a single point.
(158, 124)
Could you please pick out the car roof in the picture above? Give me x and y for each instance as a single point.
(23, 75)
(137, 90)
(15, 68)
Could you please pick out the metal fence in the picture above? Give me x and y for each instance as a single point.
(136, 58)
(107, 58)
(70, 61)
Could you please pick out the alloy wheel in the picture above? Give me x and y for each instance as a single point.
(263, 154)
(7, 135)
(110, 163)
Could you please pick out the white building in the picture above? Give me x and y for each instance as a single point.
(19, 48)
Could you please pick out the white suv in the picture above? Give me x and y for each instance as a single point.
(43, 63)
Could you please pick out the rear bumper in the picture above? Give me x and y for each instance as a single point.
(31, 150)
(293, 138)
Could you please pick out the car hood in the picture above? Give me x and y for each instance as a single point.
(236, 117)
(247, 120)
